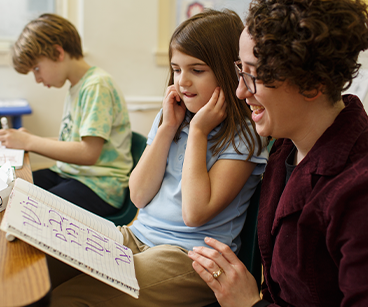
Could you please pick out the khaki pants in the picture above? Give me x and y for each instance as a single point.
(164, 273)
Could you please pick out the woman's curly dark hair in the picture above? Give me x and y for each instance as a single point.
(314, 44)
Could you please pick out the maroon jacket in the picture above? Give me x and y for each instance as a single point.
(313, 234)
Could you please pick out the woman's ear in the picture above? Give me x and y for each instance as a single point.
(312, 94)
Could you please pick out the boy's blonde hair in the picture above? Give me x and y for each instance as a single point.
(39, 38)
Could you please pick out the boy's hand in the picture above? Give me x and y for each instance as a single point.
(211, 114)
(173, 108)
(12, 138)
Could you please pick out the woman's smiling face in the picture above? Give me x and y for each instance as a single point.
(277, 110)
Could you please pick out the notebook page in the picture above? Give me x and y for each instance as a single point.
(72, 242)
(86, 217)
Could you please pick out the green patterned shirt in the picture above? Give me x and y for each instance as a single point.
(96, 107)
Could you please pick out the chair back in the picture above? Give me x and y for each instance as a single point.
(249, 252)
(128, 211)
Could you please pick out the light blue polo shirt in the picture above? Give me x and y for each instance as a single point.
(161, 221)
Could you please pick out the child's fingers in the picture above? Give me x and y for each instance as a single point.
(215, 96)
(221, 100)
(171, 93)
(218, 99)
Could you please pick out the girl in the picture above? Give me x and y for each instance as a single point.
(196, 176)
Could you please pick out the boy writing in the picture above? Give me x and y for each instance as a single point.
(93, 151)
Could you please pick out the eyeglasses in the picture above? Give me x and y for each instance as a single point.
(249, 80)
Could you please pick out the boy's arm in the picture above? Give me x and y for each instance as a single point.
(85, 152)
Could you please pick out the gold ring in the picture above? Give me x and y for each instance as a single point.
(217, 274)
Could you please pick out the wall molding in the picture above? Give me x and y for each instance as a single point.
(143, 103)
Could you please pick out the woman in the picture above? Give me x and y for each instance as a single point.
(296, 57)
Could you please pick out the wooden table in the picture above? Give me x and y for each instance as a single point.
(24, 276)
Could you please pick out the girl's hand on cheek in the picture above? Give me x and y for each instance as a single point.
(173, 108)
(211, 114)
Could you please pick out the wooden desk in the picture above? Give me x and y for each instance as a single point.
(24, 276)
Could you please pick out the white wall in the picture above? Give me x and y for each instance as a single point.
(119, 36)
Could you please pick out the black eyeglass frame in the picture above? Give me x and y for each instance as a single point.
(241, 73)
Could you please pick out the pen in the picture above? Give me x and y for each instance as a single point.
(4, 123)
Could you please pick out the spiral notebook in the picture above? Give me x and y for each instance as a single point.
(71, 234)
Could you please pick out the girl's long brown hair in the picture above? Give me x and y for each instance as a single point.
(213, 37)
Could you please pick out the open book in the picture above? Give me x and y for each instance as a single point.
(71, 234)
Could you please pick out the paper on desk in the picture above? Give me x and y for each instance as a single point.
(7, 177)
(13, 156)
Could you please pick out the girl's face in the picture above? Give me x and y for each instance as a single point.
(194, 80)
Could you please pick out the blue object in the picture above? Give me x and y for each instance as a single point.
(15, 109)
(129, 210)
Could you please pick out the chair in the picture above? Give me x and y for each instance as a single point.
(270, 144)
(128, 210)
(249, 252)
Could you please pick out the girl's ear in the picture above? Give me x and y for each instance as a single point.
(59, 53)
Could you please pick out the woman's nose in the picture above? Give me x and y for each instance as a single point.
(242, 91)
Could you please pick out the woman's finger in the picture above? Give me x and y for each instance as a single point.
(224, 249)
(206, 274)
(208, 258)
(211, 260)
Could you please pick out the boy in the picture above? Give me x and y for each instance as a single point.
(93, 151)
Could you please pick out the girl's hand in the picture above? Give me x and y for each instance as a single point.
(235, 286)
(173, 108)
(211, 114)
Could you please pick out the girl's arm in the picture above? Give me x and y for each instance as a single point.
(146, 178)
(205, 194)
(85, 152)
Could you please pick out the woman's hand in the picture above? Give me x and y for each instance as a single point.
(211, 114)
(235, 286)
(173, 108)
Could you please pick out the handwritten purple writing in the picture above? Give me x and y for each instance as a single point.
(70, 233)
